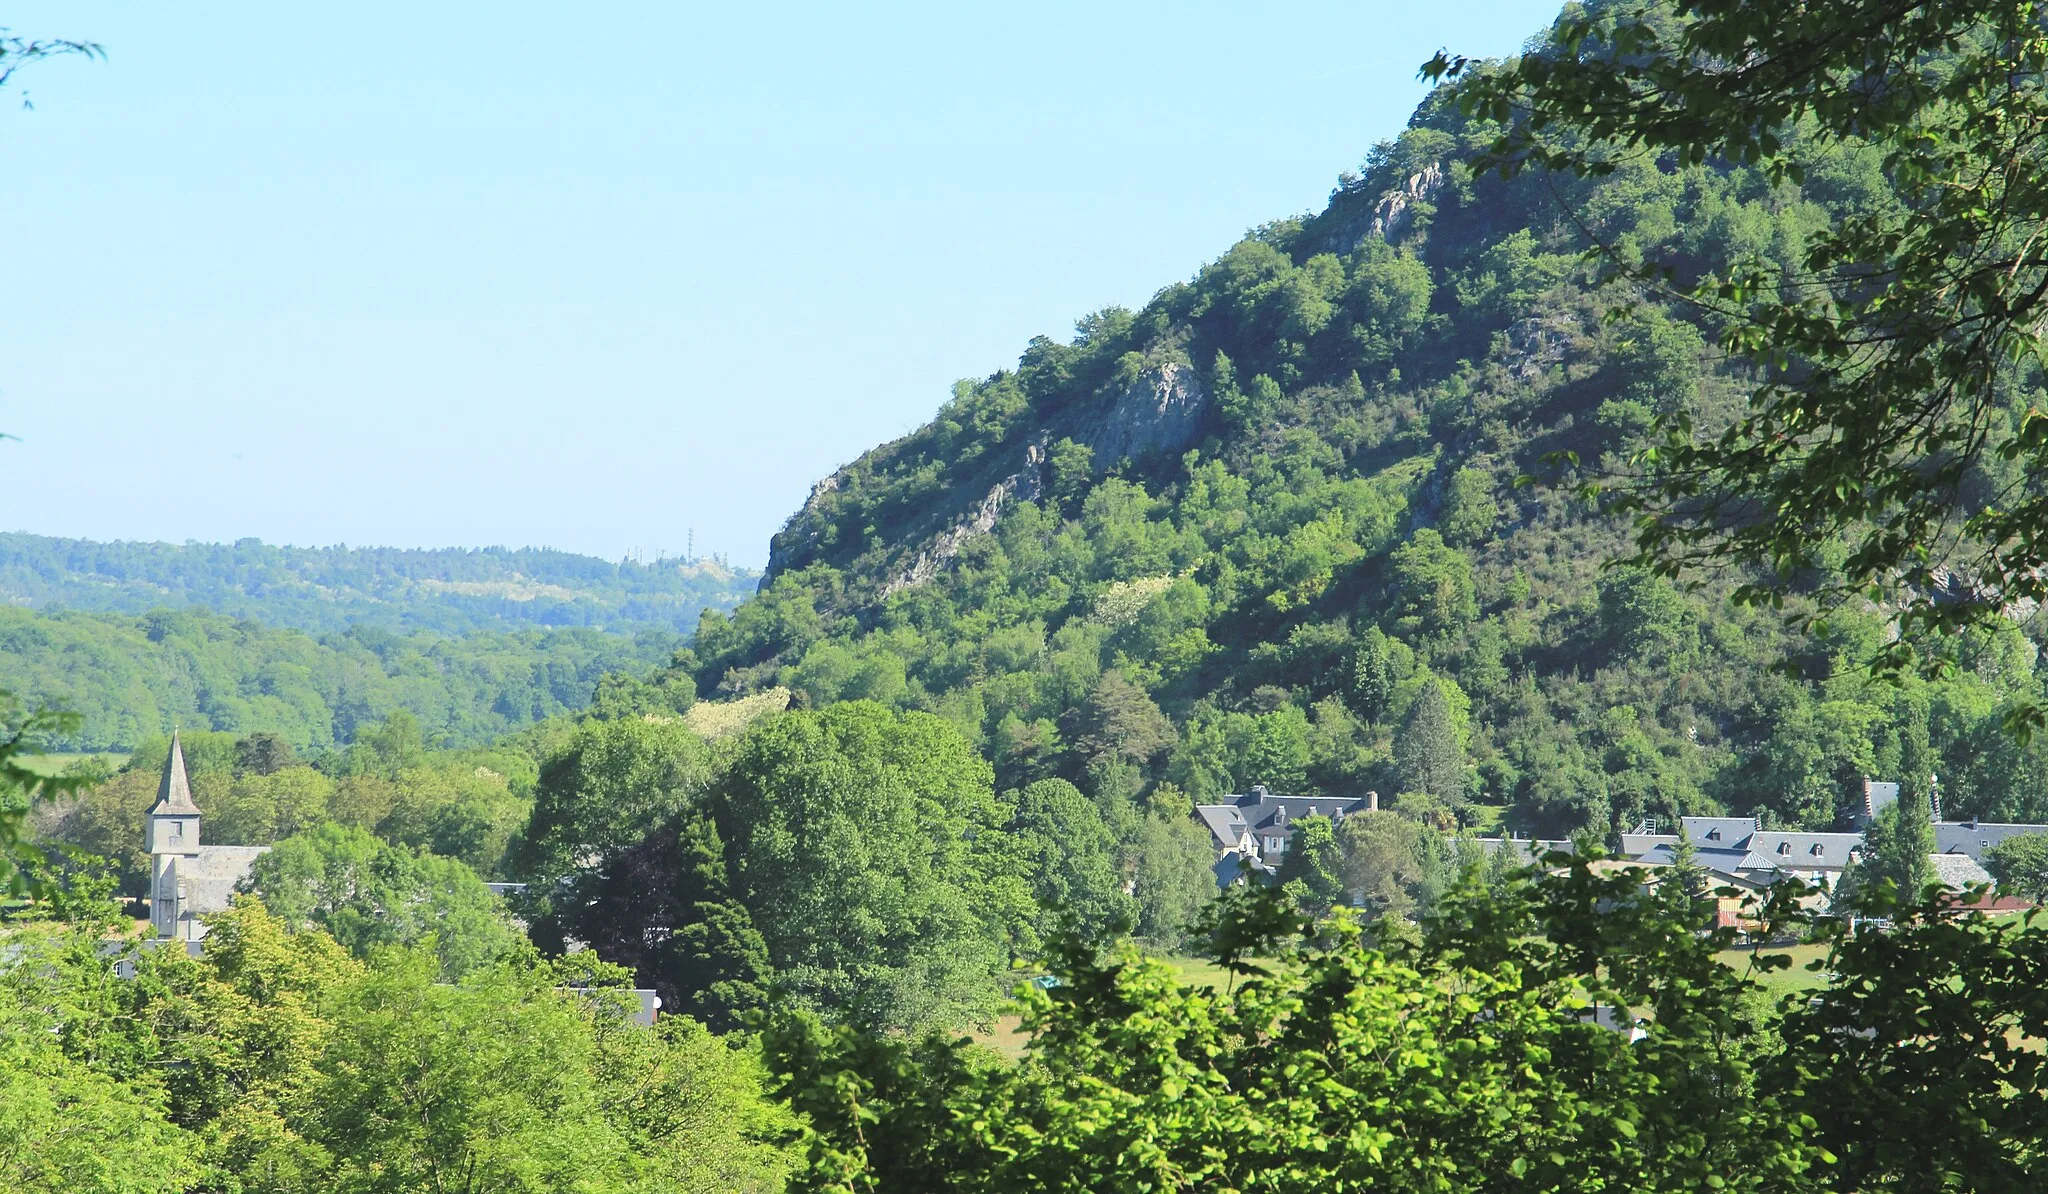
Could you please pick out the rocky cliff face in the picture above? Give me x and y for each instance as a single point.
(1027, 484)
(1159, 413)
(805, 529)
(1395, 211)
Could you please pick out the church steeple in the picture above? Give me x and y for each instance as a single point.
(174, 791)
(172, 836)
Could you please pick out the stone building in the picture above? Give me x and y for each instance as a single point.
(186, 879)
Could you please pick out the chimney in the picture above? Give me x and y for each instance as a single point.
(1372, 802)
(1259, 790)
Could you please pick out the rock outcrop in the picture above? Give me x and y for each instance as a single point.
(1160, 412)
(1027, 484)
(799, 537)
(1393, 215)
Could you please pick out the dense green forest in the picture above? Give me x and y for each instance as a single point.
(130, 677)
(322, 590)
(312, 643)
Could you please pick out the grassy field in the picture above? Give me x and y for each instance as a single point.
(1793, 978)
(1007, 1038)
(54, 764)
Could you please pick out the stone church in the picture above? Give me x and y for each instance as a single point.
(187, 880)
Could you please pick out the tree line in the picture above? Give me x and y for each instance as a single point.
(322, 590)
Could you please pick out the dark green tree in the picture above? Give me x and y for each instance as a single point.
(1120, 721)
(1372, 676)
(850, 839)
(1068, 855)
(1313, 870)
(263, 753)
(1897, 845)
(2020, 864)
(1427, 757)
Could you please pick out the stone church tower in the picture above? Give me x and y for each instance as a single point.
(187, 880)
(173, 838)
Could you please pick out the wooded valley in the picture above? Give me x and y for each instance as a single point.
(1380, 501)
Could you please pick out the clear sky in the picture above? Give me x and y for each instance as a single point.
(591, 275)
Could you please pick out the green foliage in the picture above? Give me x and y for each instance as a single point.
(1398, 865)
(2020, 864)
(369, 894)
(1427, 757)
(1312, 873)
(68, 1128)
(1896, 846)
(21, 787)
(129, 678)
(276, 1063)
(1070, 858)
(1895, 408)
(608, 787)
(1469, 1056)
(854, 839)
(1340, 1063)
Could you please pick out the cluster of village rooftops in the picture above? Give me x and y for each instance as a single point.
(1251, 834)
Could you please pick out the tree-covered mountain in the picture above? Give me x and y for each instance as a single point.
(1267, 529)
(323, 589)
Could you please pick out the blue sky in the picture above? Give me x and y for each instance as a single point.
(593, 275)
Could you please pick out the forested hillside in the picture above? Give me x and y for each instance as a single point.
(311, 643)
(1267, 530)
(322, 589)
(129, 678)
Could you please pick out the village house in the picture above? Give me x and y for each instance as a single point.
(1253, 831)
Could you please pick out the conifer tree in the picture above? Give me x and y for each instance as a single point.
(1897, 846)
(1372, 677)
(1426, 752)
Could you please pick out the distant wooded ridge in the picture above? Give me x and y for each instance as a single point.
(325, 589)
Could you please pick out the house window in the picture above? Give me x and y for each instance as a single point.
(1713, 835)
(177, 831)
(1816, 851)
(1784, 847)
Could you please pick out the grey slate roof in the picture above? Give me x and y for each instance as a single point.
(174, 792)
(1782, 849)
(1634, 844)
(1723, 832)
(1975, 838)
(1267, 815)
(1957, 871)
(1738, 861)
(210, 876)
(1225, 822)
(1798, 851)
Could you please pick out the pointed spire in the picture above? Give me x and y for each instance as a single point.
(174, 792)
